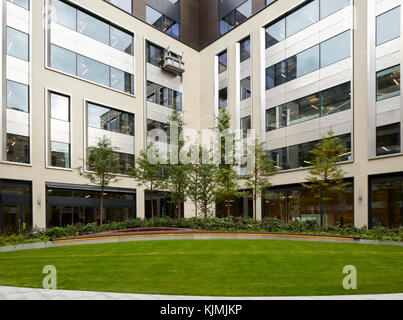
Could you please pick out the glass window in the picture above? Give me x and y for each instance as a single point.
(126, 162)
(388, 139)
(22, 3)
(17, 96)
(243, 12)
(307, 62)
(223, 98)
(279, 157)
(336, 99)
(328, 7)
(60, 155)
(269, 2)
(386, 206)
(222, 62)
(281, 73)
(246, 90)
(59, 107)
(275, 33)
(92, 70)
(154, 54)
(125, 5)
(388, 83)
(303, 109)
(227, 23)
(64, 14)
(17, 44)
(388, 26)
(110, 119)
(271, 119)
(154, 18)
(17, 149)
(245, 49)
(164, 96)
(270, 77)
(302, 18)
(121, 40)
(63, 60)
(92, 27)
(335, 49)
(246, 124)
(122, 81)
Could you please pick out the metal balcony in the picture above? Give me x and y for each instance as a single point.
(173, 63)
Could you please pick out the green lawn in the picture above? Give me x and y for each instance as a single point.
(221, 268)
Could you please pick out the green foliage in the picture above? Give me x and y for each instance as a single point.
(103, 163)
(262, 169)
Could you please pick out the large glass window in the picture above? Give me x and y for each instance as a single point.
(125, 5)
(122, 81)
(162, 22)
(18, 149)
(388, 26)
(92, 70)
(64, 14)
(63, 60)
(386, 201)
(388, 139)
(60, 155)
(245, 49)
(235, 17)
(161, 133)
(17, 44)
(275, 33)
(17, 96)
(328, 7)
(22, 3)
(222, 62)
(388, 83)
(246, 90)
(91, 26)
(304, 109)
(164, 96)
(110, 119)
(154, 54)
(306, 62)
(336, 99)
(302, 18)
(126, 162)
(246, 124)
(335, 49)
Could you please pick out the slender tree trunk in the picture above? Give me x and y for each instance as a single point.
(179, 210)
(152, 205)
(102, 209)
(254, 205)
(228, 209)
(196, 210)
(321, 208)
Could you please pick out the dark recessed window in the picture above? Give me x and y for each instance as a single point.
(235, 17)
(275, 33)
(246, 90)
(245, 49)
(388, 139)
(162, 22)
(388, 83)
(336, 99)
(388, 26)
(246, 124)
(164, 96)
(222, 62)
(271, 119)
(154, 54)
(223, 98)
(18, 149)
(304, 109)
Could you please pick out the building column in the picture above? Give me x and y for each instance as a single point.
(141, 210)
(38, 204)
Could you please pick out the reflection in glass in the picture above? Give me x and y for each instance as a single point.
(17, 96)
(246, 88)
(92, 27)
(275, 33)
(60, 155)
(22, 3)
(154, 54)
(121, 40)
(125, 5)
(17, 44)
(59, 107)
(336, 99)
(63, 60)
(388, 83)
(92, 70)
(223, 98)
(18, 149)
(335, 49)
(388, 26)
(245, 49)
(122, 81)
(222, 62)
(328, 7)
(64, 14)
(303, 109)
(302, 18)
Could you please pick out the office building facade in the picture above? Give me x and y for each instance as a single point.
(74, 71)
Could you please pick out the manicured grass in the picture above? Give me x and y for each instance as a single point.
(210, 268)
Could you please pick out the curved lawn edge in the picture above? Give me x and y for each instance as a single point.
(195, 236)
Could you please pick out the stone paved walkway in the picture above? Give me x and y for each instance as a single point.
(10, 293)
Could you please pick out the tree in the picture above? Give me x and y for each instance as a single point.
(148, 174)
(201, 183)
(176, 173)
(103, 165)
(226, 178)
(261, 169)
(326, 175)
